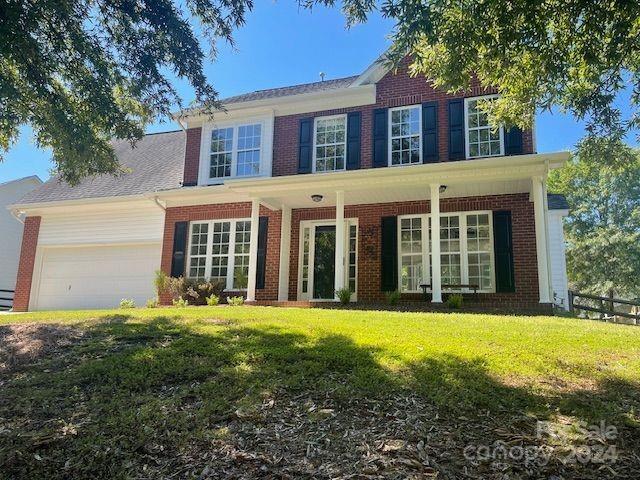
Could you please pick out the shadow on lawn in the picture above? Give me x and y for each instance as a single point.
(119, 383)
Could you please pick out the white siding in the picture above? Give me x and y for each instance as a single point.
(134, 223)
(558, 259)
(11, 229)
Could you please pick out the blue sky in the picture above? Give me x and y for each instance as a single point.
(282, 44)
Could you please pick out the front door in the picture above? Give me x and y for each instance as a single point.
(324, 262)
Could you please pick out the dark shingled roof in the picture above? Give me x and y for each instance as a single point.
(292, 90)
(557, 201)
(156, 163)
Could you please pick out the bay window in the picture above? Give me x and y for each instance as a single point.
(466, 251)
(219, 251)
(405, 137)
(483, 139)
(330, 146)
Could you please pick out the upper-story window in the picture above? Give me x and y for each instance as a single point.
(238, 149)
(405, 139)
(483, 139)
(330, 147)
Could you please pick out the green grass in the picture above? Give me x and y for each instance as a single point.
(116, 384)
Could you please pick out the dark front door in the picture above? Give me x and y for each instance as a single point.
(323, 265)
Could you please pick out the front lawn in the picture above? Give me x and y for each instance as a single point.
(259, 392)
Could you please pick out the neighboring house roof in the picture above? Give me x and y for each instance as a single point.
(30, 178)
(557, 201)
(292, 90)
(156, 163)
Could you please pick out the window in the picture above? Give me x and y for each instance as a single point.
(235, 151)
(479, 250)
(330, 143)
(483, 140)
(219, 250)
(353, 256)
(411, 253)
(405, 135)
(466, 250)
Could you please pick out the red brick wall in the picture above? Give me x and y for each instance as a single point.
(25, 267)
(369, 220)
(393, 90)
(222, 211)
(192, 156)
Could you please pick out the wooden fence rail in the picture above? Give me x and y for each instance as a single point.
(605, 305)
(6, 299)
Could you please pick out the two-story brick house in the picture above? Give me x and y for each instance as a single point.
(376, 182)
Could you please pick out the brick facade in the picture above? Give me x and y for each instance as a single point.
(395, 89)
(25, 267)
(220, 212)
(369, 236)
(192, 156)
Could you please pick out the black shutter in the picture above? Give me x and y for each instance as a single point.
(513, 141)
(503, 251)
(380, 145)
(429, 132)
(389, 249)
(353, 140)
(305, 145)
(456, 130)
(261, 265)
(178, 259)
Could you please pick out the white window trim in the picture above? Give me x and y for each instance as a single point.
(426, 250)
(266, 148)
(315, 126)
(466, 128)
(404, 107)
(209, 255)
(324, 223)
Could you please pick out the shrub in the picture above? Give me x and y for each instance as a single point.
(162, 282)
(152, 303)
(235, 301)
(393, 297)
(127, 303)
(195, 291)
(180, 302)
(344, 295)
(454, 301)
(213, 300)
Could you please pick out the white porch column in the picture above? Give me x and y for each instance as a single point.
(436, 283)
(541, 239)
(253, 250)
(285, 252)
(339, 259)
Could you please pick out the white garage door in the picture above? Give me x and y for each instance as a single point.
(96, 277)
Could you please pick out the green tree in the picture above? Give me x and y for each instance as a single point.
(82, 72)
(575, 54)
(602, 186)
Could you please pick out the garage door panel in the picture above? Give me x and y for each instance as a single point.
(97, 277)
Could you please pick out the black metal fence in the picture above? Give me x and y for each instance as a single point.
(607, 307)
(6, 299)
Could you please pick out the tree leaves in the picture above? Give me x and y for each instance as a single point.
(84, 72)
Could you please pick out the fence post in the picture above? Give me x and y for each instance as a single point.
(611, 302)
(570, 299)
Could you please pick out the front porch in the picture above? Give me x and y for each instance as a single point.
(375, 231)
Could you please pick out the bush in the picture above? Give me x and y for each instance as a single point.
(393, 297)
(127, 303)
(454, 301)
(235, 301)
(152, 303)
(195, 291)
(213, 300)
(180, 302)
(162, 282)
(344, 295)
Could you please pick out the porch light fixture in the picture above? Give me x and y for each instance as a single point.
(443, 188)
(317, 197)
